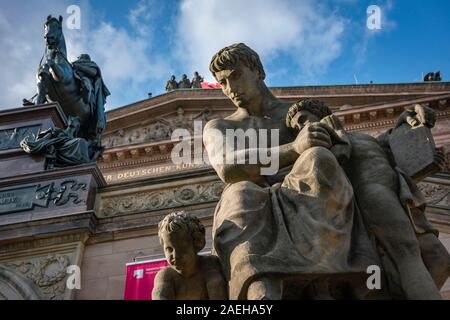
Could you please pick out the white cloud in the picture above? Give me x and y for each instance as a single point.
(129, 64)
(142, 17)
(22, 46)
(306, 32)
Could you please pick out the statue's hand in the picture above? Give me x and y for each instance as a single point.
(312, 135)
(420, 115)
(425, 115)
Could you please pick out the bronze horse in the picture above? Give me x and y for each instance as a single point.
(56, 82)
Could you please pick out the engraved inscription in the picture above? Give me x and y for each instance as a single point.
(14, 200)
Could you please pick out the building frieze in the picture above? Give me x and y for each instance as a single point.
(175, 197)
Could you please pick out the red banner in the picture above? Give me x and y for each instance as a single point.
(208, 85)
(140, 278)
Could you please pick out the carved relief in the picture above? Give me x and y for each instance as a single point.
(67, 191)
(435, 194)
(11, 138)
(14, 286)
(48, 273)
(163, 199)
(160, 129)
(26, 198)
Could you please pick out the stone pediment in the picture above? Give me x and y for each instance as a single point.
(161, 127)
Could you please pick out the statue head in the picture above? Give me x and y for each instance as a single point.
(239, 71)
(306, 111)
(228, 58)
(84, 57)
(53, 31)
(182, 237)
(172, 78)
(184, 77)
(196, 74)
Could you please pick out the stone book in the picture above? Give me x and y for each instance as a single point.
(414, 150)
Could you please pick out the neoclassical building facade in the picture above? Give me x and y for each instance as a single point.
(105, 215)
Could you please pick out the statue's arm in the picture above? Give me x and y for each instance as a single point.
(214, 137)
(163, 286)
(215, 281)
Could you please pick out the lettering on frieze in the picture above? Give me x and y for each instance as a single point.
(151, 171)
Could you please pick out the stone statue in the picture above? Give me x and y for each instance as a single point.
(190, 276)
(336, 206)
(172, 84)
(433, 76)
(385, 198)
(196, 81)
(93, 89)
(437, 76)
(77, 87)
(184, 83)
(301, 223)
(61, 147)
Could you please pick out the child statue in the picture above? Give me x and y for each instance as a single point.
(190, 276)
(388, 203)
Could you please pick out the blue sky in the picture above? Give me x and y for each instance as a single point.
(140, 43)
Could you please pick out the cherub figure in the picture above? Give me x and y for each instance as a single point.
(190, 276)
(399, 229)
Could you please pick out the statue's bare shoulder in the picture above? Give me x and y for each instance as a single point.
(232, 121)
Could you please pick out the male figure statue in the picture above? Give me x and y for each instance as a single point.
(300, 222)
(185, 83)
(197, 80)
(93, 89)
(172, 84)
(85, 75)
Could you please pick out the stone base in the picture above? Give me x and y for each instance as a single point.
(15, 125)
(45, 219)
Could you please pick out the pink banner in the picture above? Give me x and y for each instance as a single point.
(140, 278)
(208, 85)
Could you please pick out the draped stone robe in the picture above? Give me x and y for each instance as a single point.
(307, 225)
